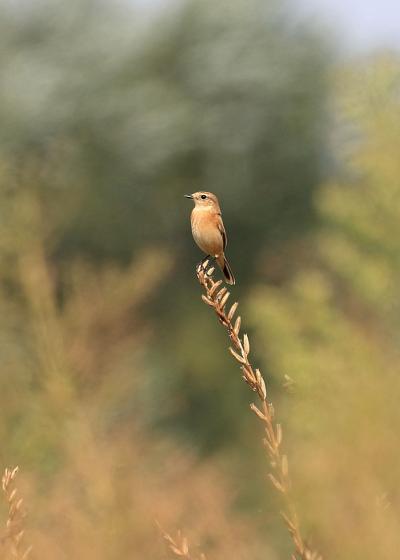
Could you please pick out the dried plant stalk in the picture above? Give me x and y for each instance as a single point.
(240, 350)
(14, 533)
(179, 546)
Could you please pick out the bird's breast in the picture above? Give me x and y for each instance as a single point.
(206, 233)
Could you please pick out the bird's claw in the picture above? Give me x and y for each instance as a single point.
(202, 265)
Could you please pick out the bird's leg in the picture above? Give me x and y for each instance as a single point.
(202, 263)
(206, 265)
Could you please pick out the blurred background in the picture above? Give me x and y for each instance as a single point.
(119, 400)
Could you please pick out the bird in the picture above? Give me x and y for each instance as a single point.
(208, 230)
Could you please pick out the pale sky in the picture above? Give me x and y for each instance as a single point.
(363, 24)
(358, 25)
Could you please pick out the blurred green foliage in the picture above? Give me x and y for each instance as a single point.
(126, 117)
(117, 393)
(333, 328)
(110, 120)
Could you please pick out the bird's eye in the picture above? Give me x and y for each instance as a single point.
(203, 196)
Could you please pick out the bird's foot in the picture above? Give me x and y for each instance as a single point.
(204, 265)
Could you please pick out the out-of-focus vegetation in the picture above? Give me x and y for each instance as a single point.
(334, 328)
(113, 383)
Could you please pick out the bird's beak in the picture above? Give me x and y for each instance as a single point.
(188, 195)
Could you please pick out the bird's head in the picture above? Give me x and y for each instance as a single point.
(204, 199)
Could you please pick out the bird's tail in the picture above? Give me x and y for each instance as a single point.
(226, 269)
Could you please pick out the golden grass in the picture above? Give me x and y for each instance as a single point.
(217, 297)
(13, 540)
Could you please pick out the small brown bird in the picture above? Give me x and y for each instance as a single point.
(208, 230)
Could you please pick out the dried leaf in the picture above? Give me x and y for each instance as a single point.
(236, 328)
(266, 443)
(271, 410)
(246, 344)
(18, 536)
(224, 299)
(257, 411)
(288, 521)
(248, 376)
(232, 311)
(207, 301)
(221, 294)
(176, 550)
(238, 357)
(279, 434)
(27, 553)
(185, 546)
(277, 484)
(262, 390)
(215, 287)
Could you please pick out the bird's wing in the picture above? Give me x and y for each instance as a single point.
(222, 230)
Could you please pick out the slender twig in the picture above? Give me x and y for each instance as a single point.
(216, 297)
(16, 513)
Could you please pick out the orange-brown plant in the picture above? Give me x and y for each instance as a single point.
(13, 537)
(216, 297)
(179, 546)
